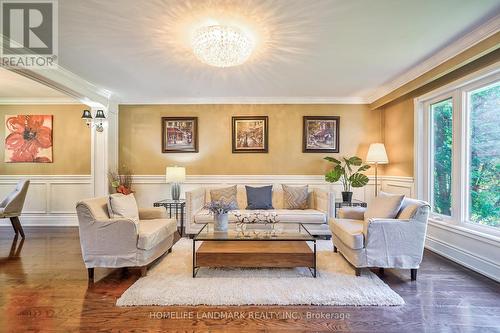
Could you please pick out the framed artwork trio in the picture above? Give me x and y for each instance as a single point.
(250, 134)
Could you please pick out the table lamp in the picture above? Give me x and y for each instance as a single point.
(377, 155)
(175, 175)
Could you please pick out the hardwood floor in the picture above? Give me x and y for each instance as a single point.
(43, 288)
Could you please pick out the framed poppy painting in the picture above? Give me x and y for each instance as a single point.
(28, 139)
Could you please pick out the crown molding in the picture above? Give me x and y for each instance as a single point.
(468, 40)
(253, 100)
(38, 100)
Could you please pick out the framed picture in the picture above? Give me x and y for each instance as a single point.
(28, 139)
(250, 134)
(321, 134)
(179, 134)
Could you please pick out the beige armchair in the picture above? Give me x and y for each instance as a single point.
(122, 242)
(383, 243)
(12, 206)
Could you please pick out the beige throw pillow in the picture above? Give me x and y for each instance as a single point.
(124, 206)
(228, 194)
(295, 197)
(385, 206)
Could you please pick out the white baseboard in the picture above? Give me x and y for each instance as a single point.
(464, 258)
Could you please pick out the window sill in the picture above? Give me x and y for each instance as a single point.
(467, 231)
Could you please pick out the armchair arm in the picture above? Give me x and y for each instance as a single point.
(355, 213)
(394, 242)
(152, 213)
(195, 200)
(109, 237)
(324, 201)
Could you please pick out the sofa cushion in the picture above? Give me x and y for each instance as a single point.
(295, 197)
(350, 232)
(228, 194)
(308, 216)
(384, 206)
(125, 206)
(259, 197)
(153, 232)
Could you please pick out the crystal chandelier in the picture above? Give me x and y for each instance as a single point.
(221, 46)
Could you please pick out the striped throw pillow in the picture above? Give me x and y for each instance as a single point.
(295, 197)
(228, 194)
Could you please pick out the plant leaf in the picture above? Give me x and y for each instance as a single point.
(364, 168)
(355, 161)
(358, 180)
(347, 164)
(333, 175)
(331, 159)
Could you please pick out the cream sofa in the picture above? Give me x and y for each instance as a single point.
(321, 209)
(383, 243)
(122, 242)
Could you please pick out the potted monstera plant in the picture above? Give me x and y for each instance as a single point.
(349, 172)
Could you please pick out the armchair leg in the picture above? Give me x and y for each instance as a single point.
(144, 271)
(413, 273)
(91, 274)
(334, 249)
(358, 271)
(16, 224)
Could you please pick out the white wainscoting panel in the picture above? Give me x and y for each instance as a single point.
(151, 188)
(51, 199)
(465, 247)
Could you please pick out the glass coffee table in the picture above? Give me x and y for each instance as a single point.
(254, 248)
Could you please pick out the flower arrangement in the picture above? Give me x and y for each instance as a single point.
(220, 207)
(122, 183)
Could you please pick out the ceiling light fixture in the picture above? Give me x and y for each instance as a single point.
(222, 46)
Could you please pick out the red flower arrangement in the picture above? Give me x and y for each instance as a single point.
(122, 183)
(26, 137)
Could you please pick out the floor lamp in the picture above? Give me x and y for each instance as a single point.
(377, 155)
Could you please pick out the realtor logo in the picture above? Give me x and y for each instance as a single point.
(29, 33)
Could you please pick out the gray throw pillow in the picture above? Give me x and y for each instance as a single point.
(228, 194)
(259, 197)
(295, 197)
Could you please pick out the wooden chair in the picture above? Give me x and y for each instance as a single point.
(12, 206)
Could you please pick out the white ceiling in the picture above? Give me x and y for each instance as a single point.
(15, 88)
(139, 50)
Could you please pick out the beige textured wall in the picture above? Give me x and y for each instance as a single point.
(397, 117)
(71, 141)
(398, 137)
(140, 138)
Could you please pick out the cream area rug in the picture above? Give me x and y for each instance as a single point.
(170, 283)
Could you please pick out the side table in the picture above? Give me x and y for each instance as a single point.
(174, 208)
(354, 203)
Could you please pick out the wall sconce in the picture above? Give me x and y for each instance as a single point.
(99, 116)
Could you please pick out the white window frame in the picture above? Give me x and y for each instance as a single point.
(458, 91)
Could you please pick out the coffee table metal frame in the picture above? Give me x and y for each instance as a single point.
(309, 238)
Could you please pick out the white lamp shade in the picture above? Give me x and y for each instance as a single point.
(377, 154)
(175, 174)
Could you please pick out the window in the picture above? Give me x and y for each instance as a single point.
(442, 136)
(458, 151)
(484, 155)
